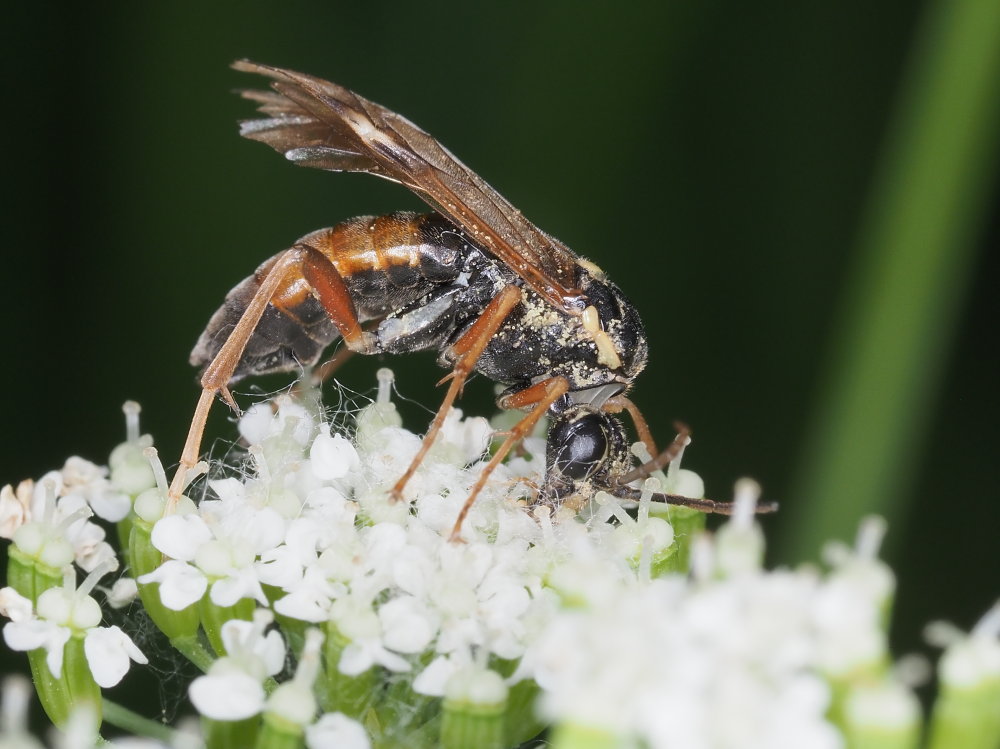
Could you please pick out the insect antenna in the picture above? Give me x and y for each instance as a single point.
(704, 505)
(672, 451)
(619, 403)
(669, 454)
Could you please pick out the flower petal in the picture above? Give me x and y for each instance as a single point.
(332, 457)
(181, 584)
(180, 536)
(337, 731)
(108, 652)
(228, 696)
(39, 633)
(14, 606)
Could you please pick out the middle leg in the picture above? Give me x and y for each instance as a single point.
(467, 350)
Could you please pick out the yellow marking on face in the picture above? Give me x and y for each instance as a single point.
(591, 267)
(606, 353)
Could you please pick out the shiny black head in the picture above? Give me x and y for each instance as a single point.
(587, 450)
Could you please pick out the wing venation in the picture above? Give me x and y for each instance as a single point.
(319, 124)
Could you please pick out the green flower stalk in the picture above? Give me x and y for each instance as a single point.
(71, 656)
(967, 711)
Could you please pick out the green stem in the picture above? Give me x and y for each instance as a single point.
(28, 576)
(967, 717)
(278, 733)
(913, 263)
(351, 695)
(569, 736)
(687, 524)
(236, 734)
(466, 725)
(192, 649)
(139, 725)
(521, 722)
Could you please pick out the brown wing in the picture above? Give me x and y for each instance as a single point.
(322, 125)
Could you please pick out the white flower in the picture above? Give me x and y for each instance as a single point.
(57, 531)
(39, 633)
(15, 507)
(294, 700)
(242, 511)
(661, 661)
(180, 536)
(14, 606)
(434, 678)
(733, 656)
(233, 688)
(90, 481)
(289, 421)
(227, 693)
(181, 584)
(461, 440)
(14, 701)
(310, 597)
(201, 556)
(885, 706)
(407, 625)
(849, 607)
(121, 593)
(337, 731)
(67, 610)
(476, 685)
(357, 620)
(972, 660)
(87, 538)
(332, 457)
(108, 652)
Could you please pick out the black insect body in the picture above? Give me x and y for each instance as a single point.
(474, 281)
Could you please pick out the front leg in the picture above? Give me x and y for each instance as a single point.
(539, 397)
(466, 352)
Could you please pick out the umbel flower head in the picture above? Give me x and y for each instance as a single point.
(324, 614)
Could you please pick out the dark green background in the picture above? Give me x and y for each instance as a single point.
(713, 157)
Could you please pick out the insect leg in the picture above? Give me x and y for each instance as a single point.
(538, 397)
(466, 351)
(672, 451)
(329, 289)
(619, 403)
(215, 378)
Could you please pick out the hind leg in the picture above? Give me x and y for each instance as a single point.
(328, 288)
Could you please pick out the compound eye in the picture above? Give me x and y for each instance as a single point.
(579, 446)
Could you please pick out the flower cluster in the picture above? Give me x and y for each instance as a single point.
(614, 626)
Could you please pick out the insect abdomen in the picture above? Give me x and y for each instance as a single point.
(390, 261)
(386, 262)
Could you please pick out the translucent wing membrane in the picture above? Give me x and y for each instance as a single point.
(322, 125)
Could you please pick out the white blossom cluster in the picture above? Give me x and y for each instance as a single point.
(50, 521)
(52, 515)
(658, 659)
(730, 655)
(735, 657)
(315, 523)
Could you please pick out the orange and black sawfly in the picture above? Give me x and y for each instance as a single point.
(473, 280)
